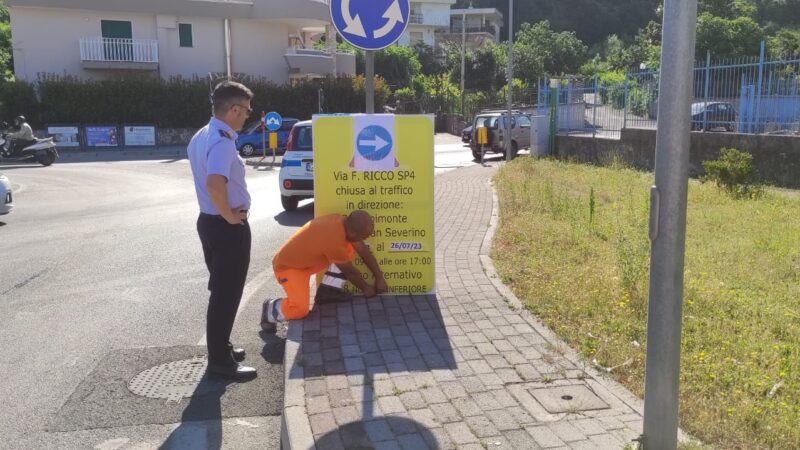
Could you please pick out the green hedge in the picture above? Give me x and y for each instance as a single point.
(173, 103)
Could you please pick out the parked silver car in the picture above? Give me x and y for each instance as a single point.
(6, 199)
(495, 123)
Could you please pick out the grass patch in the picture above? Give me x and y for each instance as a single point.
(573, 245)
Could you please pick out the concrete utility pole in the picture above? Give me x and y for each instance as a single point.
(463, 56)
(668, 198)
(369, 56)
(510, 75)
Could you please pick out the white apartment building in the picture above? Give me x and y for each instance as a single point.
(476, 26)
(102, 38)
(427, 18)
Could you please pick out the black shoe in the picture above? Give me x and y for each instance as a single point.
(238, 353)
(266, 325)
(233, 372)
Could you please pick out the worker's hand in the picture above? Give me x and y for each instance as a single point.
(237, 216)
(369, 291)
(380, 286)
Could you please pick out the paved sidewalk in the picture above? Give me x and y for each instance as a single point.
(466, 368)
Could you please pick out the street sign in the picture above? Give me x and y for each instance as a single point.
(374, 143)
(370, 24)
(273, 121)
(382, 164)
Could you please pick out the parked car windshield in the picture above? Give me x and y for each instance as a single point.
(486, 121)
(697, 108)
(304, 140)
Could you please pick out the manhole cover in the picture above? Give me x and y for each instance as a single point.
(175, 380)
(568, 399)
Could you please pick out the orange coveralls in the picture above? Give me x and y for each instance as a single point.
(318, 244)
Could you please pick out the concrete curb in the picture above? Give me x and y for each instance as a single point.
(299, 435)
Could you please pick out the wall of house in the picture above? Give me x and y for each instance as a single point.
(259, 48)
(37, 50)
(206, 55)
(428, 35)
(436, 14)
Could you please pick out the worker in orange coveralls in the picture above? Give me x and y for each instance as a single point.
(321, 242)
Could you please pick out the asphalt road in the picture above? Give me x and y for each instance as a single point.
(101, 274)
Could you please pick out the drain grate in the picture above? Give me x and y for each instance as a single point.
(175, 380)
(566, 399)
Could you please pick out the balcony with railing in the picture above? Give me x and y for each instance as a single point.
(307, 62)
(112, 53)
(416, 18)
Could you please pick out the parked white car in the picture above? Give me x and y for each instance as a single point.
(297, 169)
(6, 199)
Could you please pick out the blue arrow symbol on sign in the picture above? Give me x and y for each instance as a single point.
(374, 143)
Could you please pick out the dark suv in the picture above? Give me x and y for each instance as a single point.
(714, 115)
(495, 123)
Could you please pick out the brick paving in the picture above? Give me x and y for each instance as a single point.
(464, 368)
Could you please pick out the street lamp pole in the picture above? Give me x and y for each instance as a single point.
(510, 75)
(668, 199)
(463, 56)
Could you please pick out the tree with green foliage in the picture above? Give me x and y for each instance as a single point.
(430, 64)
(728, 9)
(484, 68)
(785, 44)
(6, 47)
(397, 65)
(539, 51)
(727, 38)
(592, 20)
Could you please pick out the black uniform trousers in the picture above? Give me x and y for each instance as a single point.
(226, 249)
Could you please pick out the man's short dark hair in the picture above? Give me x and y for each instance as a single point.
(229, 93)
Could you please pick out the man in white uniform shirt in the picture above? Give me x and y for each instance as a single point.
(219, 179)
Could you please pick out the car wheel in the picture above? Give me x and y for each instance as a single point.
(514, 149)
(248, 150)
(289, 203)
(476, 153)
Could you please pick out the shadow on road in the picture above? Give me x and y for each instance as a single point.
(296, 218)
(274, 347)
(201, 422)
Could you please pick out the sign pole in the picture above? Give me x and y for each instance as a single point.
(369, 56)
(263, 136)
(510, 76)
(463, 58)
(668, 199)
(273, 140)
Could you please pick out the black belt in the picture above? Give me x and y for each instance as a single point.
(218, 216)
